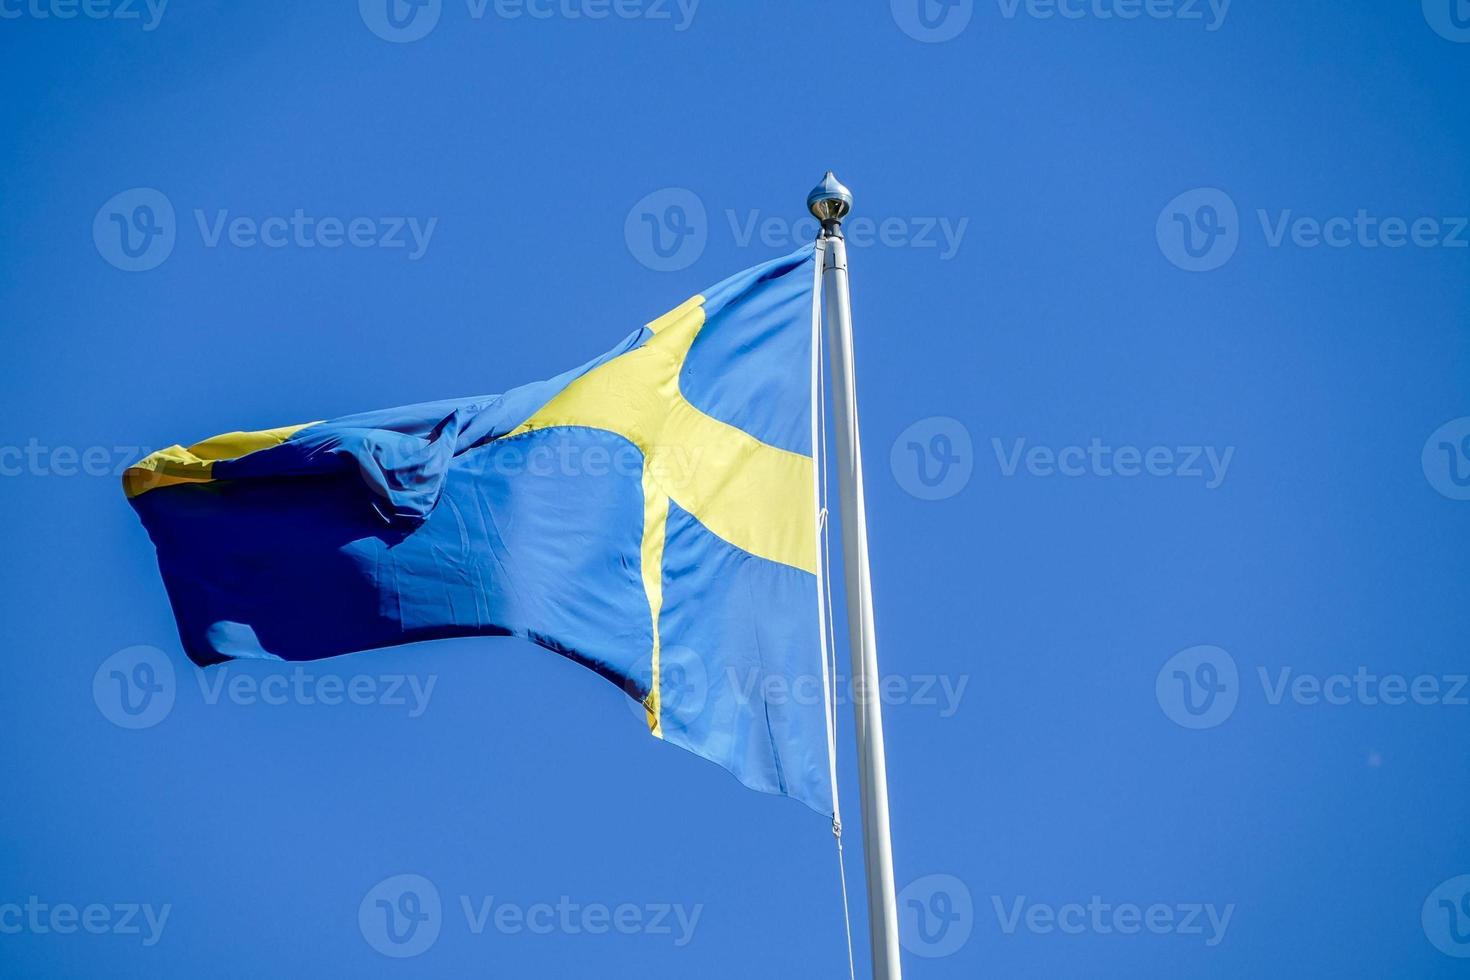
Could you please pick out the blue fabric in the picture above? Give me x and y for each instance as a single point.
(750, 319)
(741, 666)
(300, 570)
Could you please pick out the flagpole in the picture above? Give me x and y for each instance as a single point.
(830, 202)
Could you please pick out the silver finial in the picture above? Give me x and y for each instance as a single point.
(830, 202)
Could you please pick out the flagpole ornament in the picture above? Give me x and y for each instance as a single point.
(830, 202)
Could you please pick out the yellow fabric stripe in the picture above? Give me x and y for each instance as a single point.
(752, 494)
(195, 464)
(749, 493)
(655, 516)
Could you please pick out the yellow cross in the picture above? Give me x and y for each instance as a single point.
(752, 494)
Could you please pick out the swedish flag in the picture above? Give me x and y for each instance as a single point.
(650, 514)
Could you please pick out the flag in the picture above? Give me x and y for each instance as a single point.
(650, 515)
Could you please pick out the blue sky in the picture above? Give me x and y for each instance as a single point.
(1162, 346)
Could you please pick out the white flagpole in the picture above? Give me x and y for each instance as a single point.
(830, 202)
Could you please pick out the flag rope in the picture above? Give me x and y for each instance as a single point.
(825, 622)
(837, 820)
